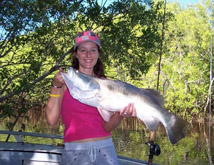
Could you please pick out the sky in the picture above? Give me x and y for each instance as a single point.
(185, 2)
(182, 2)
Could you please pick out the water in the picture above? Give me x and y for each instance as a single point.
(197, 148)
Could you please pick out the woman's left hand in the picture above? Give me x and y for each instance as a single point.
(128, 111)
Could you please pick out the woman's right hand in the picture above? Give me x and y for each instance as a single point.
(53, 106)
(58, 81)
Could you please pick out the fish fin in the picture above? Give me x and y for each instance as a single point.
(106, 115)
(158, 96)
(177, 129)
(151, 123)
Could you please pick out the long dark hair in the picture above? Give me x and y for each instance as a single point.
(98, 68)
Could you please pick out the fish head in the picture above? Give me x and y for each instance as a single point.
(79, 80)
(81, 86)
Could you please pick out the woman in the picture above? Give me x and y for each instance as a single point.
(87, 136)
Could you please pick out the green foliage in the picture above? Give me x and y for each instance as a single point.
(36, 38)
(135, 136)
(132, 38)
(190, 150)
(186, 63)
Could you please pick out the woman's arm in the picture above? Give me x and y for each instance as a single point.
(116, 117)
(53, 106)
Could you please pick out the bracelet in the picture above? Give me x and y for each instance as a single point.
(55, 86)
(53, 95)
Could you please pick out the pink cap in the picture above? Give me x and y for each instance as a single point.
(86, 36)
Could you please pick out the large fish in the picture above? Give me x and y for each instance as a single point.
(113, 95)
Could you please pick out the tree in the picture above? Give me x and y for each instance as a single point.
(186, 63)
(36, 38)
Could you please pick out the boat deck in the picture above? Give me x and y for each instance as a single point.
(22, 153)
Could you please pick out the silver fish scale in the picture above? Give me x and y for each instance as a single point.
(129, 90)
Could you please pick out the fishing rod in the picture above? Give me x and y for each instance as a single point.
(154, 149)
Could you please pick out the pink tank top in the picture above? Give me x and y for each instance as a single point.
(81, 121)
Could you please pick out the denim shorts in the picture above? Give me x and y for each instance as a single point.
(100, 152)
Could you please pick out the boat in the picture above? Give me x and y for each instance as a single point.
(24, 153)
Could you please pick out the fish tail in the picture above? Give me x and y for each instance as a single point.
(177, 129)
